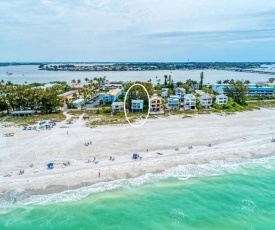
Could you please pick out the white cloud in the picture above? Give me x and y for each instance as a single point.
(104, 28)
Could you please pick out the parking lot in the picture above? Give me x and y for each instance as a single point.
(92, 103)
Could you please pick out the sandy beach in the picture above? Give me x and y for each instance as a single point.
(242, 135)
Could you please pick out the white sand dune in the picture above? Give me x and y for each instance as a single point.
(243, 135)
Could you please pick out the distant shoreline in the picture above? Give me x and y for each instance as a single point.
(246, 71)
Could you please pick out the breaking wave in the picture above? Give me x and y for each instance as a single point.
(19, 198)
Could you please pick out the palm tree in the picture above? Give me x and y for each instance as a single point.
(86, 79)
(75, 96)
(169, 79)
(73, 81)
(231, 81)
(78, 81)
(158, 81)
(201, 82)
(219, 82)
(165, 79)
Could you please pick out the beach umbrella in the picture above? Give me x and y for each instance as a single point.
(50, 165)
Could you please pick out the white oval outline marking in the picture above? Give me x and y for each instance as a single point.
(136, 126)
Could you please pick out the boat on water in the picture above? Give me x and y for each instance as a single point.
(9, 73)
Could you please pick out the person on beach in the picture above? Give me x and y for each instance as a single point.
(147, 150)
(67, 132)
(98, 173)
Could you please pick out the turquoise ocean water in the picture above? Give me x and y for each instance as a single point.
(220, 195)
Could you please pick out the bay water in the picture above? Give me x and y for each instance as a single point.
(31, 74)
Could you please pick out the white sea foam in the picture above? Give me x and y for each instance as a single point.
(182, 172)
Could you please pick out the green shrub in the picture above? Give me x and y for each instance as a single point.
(199, 107)
(227, 106)
(234, 104)
(216, 106)
(108, 110)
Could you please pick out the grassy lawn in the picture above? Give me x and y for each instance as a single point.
(25, 121)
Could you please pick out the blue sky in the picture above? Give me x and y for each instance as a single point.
(137, 30)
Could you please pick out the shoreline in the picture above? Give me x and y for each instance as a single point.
(232, 137)
(61, 194)
(53, 189)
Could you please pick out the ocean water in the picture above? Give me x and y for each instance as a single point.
(30, 74)
(220, 195)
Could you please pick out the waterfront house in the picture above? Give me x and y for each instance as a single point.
(22, 113)
(189, 102)
(77, 85)
(111, 86)
(180, 92)
(164, 92)
(221, 99)
(155, 103)
(117, 106)
(174, 102)
(206, 101)
(68, 95)
(253, 89)
(110, 96)
(137, 105)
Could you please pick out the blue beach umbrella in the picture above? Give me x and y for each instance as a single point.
(50, 165)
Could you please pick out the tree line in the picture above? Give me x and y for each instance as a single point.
(22, 97)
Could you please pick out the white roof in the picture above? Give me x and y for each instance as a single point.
(137, 101)
(174, 97)
(78, 100)
(221, 96)
(68, 93)
(154, 97)
(191, 96)
(205, 96)
(48, 85)
(181, 89)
